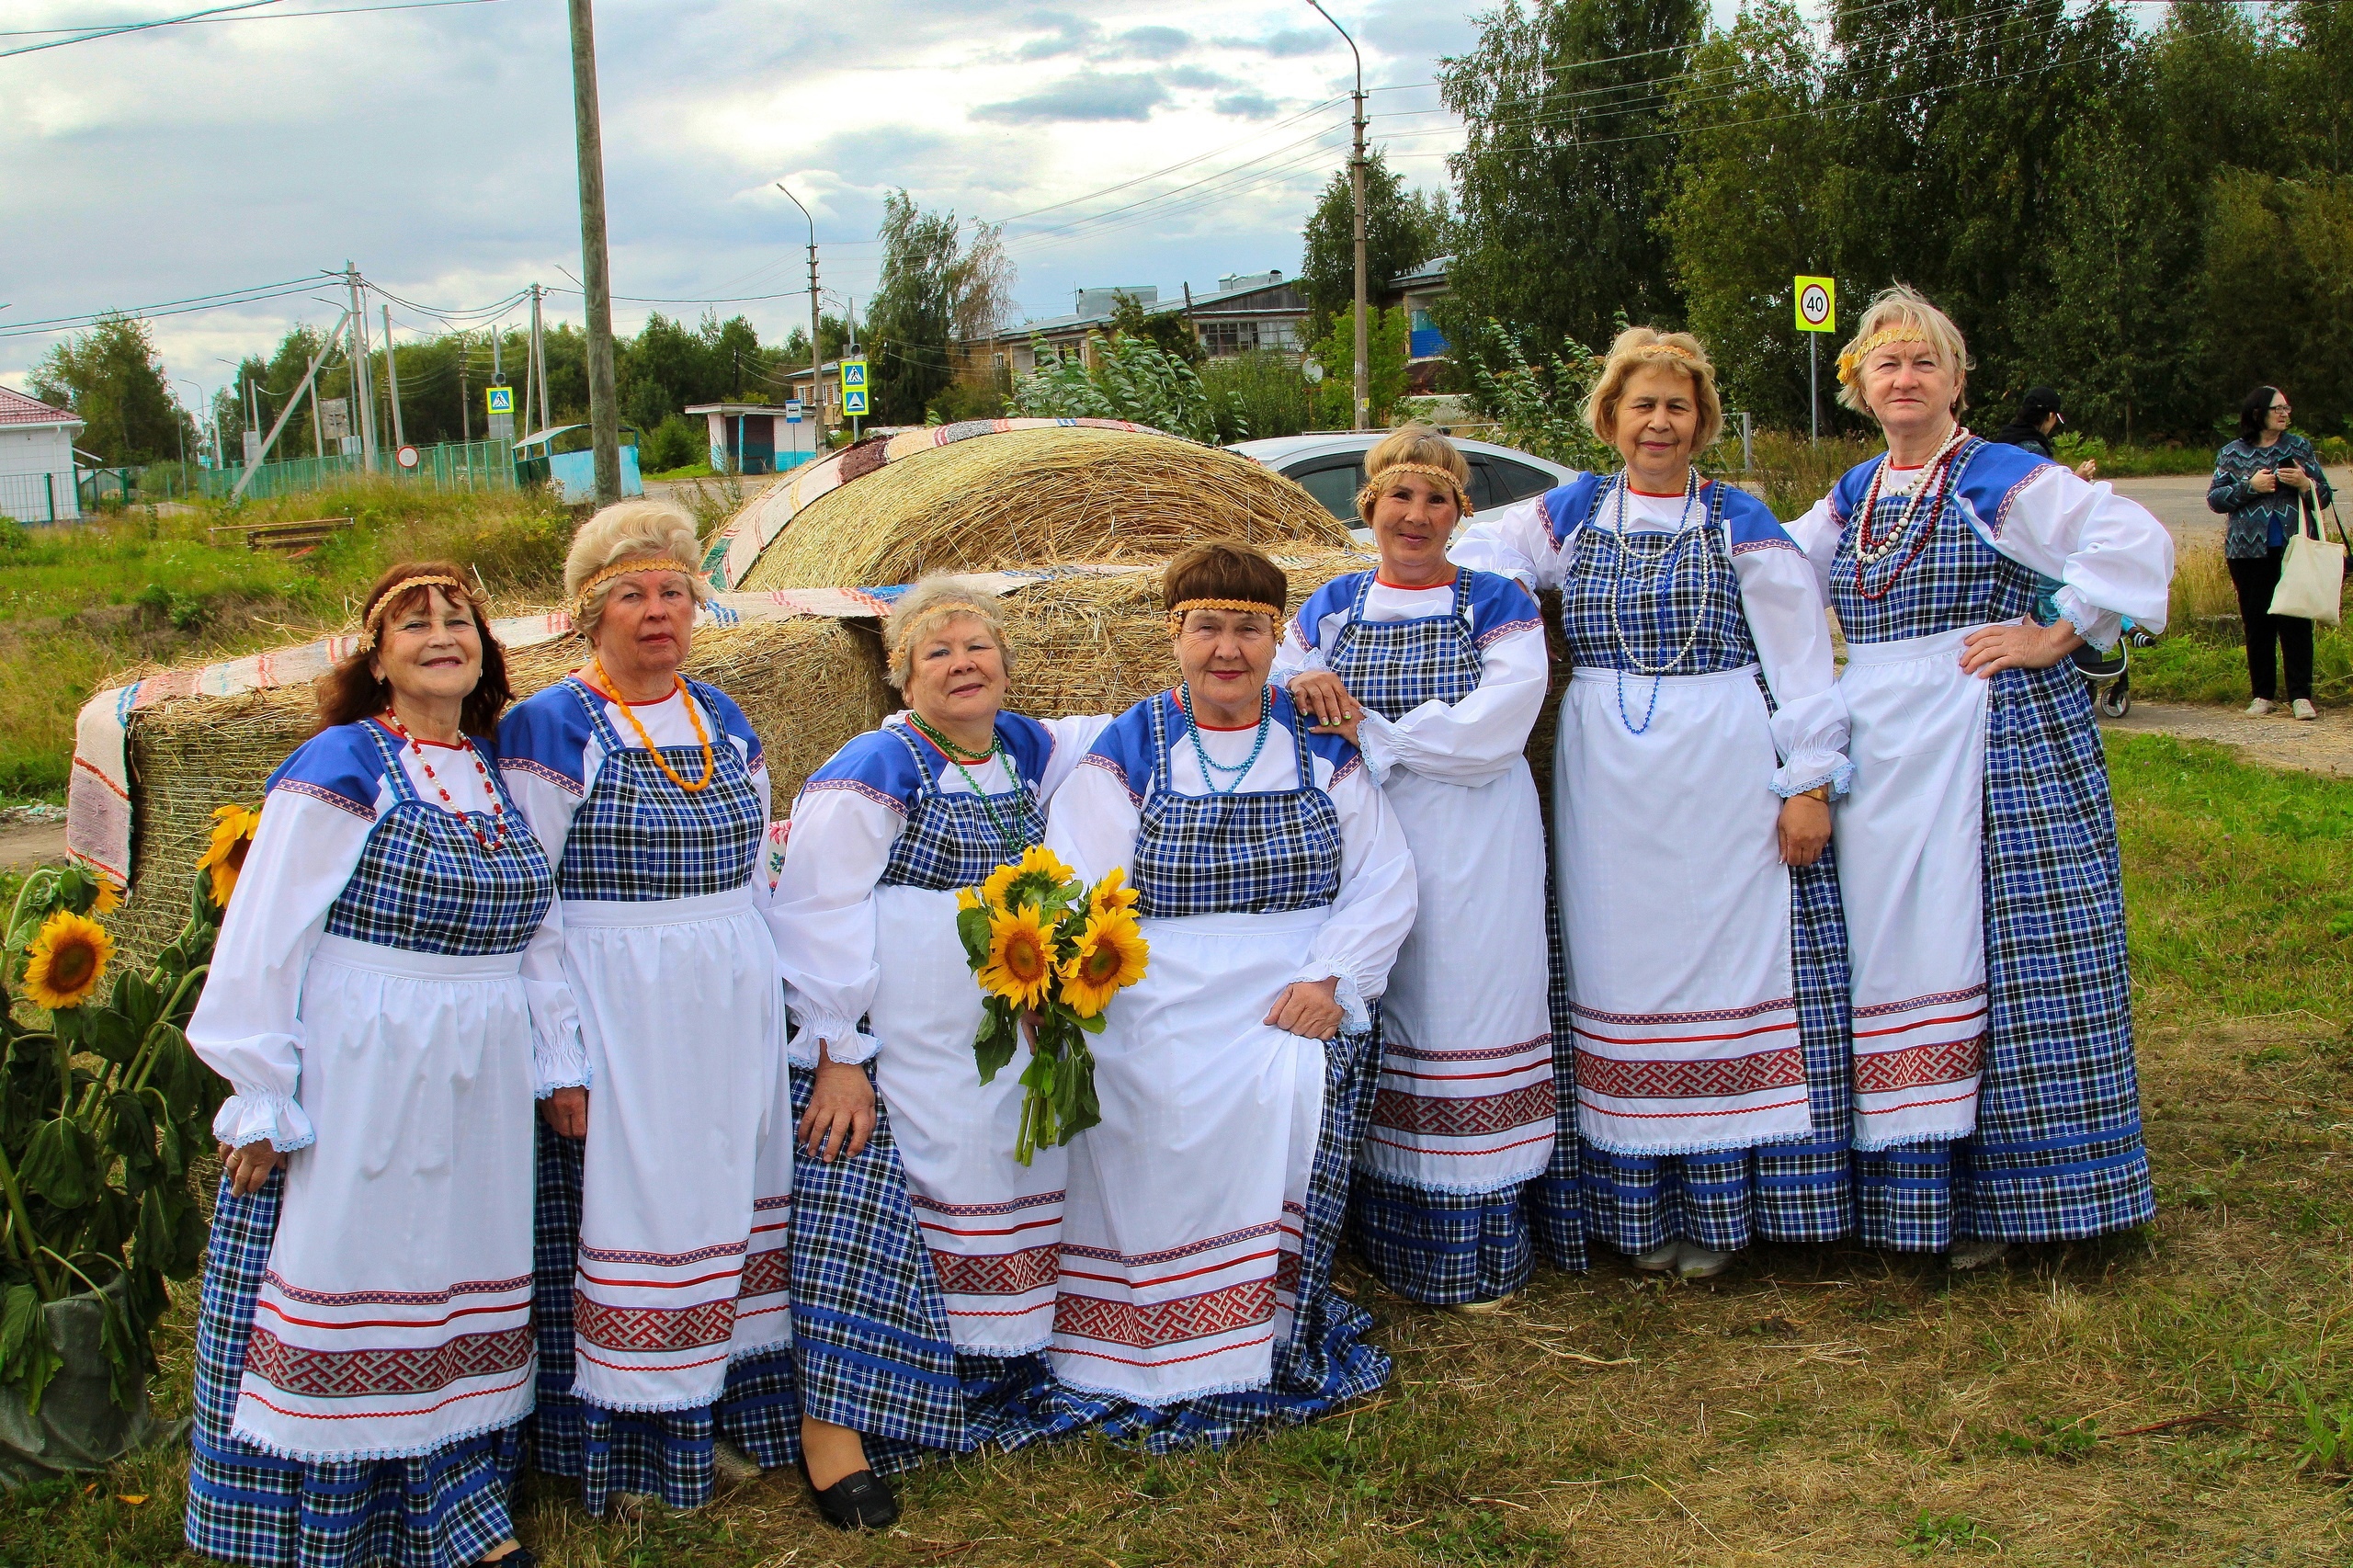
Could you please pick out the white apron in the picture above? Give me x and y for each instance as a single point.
(1911, 873)
(1674, 909)
(1465, 1103)
(416, 1070)
(1180, 1244)
(993, 1227)
(674, 1279)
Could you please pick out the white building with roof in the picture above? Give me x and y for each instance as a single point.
(35, 459)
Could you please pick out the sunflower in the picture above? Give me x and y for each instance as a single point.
(233, 834)
(110, 898)
(1111, 896)
(998, 889)
(967, 898)
(1110, 958)
(1021, 957)
(66, 959)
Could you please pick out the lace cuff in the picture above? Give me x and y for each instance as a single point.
(1355, 1009)
(1800, 774)
(254, 1115)
(560, 1060)
(1377, 743)
(2098, 627)
(841, 1036)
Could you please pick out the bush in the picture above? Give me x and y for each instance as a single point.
(1132, 380)
(967, 400)
(675, 443)
(1261, 393)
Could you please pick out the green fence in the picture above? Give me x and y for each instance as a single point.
(454, 465)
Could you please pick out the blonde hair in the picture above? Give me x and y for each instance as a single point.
(643, 535)
(932, 602)
(1639, 347)
(1417, 449)
(1903, 309)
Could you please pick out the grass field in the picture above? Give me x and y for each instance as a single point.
(2175, 1396)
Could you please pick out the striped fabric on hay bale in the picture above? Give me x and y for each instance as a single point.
(808, 686)
(1020, 497)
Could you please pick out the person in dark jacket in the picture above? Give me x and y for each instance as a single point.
(2262, 481)
(2037, 420)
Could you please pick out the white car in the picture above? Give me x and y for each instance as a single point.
(1331, 467)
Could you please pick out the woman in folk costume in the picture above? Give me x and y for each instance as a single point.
(925, 1255)
(1996, 1099)
(665, 1162)
(1701, 740)
(1275, 888)
(1437, 674)
(364, 1354)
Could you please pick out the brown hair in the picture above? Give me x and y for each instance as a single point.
(1638, 347)
(1223, 570)
(352, 690)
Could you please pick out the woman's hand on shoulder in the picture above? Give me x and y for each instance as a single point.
(840, 1117)
(1309, 1007)
(1324, 699)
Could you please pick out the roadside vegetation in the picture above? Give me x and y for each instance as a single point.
(2172, 1396)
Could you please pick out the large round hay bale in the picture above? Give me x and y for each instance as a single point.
(1020, 497)
(807, 685)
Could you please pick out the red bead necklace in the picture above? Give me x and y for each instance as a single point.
(1929, 497)
(497, 807)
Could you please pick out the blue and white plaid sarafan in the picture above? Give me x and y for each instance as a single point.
(1258, 852)
(2058, 1151)
(426, 884)
(638, 838)
(1394, 667)
(439, 1510)
(954, 841)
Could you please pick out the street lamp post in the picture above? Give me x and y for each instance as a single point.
(1363, 388)
(816, 410)
(179, 427)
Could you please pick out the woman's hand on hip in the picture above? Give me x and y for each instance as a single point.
(2014, 647)
(566, 1112)
(1321, 696)
(249, 1166)
(1309, 1007)
(1805, 828)
(840, 1117)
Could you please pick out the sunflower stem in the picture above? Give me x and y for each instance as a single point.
(21, 1230)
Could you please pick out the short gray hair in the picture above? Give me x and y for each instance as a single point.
(932, 602)
(659, 534)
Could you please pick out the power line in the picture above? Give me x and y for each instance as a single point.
(88, 35)
(85, 35)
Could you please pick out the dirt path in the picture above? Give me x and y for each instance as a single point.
(2322, 745)
(26, 843)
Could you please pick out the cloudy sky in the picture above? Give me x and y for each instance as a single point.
(1121, 142)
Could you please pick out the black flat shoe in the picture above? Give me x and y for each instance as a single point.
(521, 1557)
(856, 1502)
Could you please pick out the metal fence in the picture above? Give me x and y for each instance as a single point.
(454, 465)
(37, 497)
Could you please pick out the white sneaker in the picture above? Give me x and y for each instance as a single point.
(2259, 707)
(2302, 708)
(1700, 1262)
(1658, 1260)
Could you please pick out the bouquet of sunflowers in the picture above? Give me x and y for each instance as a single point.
(1046, 945)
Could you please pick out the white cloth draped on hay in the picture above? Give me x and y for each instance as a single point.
(1465, 1104)
(669, 1010)
(1183, 1229)
(854, 949)
(1675, 904)
(393, 1319)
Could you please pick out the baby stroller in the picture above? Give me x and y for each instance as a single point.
(2109, 673)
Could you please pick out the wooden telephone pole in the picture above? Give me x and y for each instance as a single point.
(604, 418)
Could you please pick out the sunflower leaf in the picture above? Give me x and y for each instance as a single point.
(973, 929)
(61, 1163)
(27, 1358)
(106, 1033)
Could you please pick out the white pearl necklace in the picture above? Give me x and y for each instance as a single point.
(1684, 528)
(1870, 553)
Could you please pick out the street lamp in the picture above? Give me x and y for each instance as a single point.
(180, 426)
(816, 355)
(1356, 185)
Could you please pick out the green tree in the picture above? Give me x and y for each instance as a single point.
(1167, 330)
(1402, 230)
(112, 378)
(1568, 150)
(1132, 378)
(1256, 394)
(1387, 338)
(935, 289)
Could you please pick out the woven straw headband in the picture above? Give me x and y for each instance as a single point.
(1248, 606)
(374, 623)
(622, 568)
(932, 615)
(1851, 360)
(1429, 470)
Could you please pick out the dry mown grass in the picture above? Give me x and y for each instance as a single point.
(2134, 1400)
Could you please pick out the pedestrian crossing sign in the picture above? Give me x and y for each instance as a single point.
(854, 388)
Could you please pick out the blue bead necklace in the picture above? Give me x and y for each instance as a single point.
(1660, 567)
(1210, 770)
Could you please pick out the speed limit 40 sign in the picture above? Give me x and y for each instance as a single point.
(1817, 304)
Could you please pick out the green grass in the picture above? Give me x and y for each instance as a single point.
(81, 602)
(2175, 1396)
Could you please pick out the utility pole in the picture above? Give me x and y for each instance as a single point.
(1362, 400)
(465, 414)
(539, 361)
(318, 441)
(604, 419)
(363, 379)
(393, 382)
(815, 412)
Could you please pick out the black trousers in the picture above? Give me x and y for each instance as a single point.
(2256, 577)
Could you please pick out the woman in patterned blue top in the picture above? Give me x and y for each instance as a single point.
(364, 1352)
(924, 1256)
(1996, 1099)
(1701, 738)
(1438, 673)
(2262, 481)
(666, 1158)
